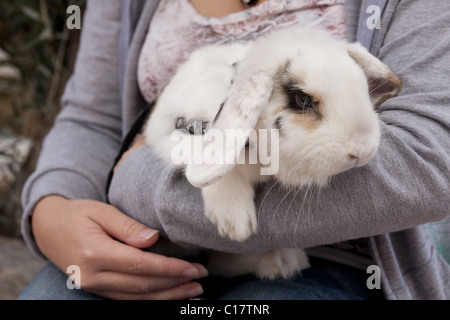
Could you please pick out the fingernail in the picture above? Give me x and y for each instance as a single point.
(195, 291)
(203, 272)
(196, 272)
(191, 273)
(147, 234)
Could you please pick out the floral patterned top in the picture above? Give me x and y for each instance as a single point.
(177, 29)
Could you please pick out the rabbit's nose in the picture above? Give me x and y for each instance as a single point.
(353, 159)
(360, 158)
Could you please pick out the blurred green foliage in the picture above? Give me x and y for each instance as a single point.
(34, 35)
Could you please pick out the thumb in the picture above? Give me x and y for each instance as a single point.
(126, 229)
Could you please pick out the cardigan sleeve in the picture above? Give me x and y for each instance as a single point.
(405, 185)
(80, 148)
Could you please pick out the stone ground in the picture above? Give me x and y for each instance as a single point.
(17, 267)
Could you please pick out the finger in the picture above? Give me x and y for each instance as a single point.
(131, 260)
(134, 284)
(124, 228)
(138, 141)
(183, 291)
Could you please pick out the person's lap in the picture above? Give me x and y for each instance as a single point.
(323, 281)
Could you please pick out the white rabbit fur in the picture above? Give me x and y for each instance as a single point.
(257, 86)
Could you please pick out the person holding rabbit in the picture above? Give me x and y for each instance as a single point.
(383, 213)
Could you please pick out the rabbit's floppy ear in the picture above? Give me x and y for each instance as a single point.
(383, 83)
(248, 95)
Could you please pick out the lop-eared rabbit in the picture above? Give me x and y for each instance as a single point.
(316, 96)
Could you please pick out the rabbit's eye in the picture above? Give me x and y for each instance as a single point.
(301, 102)
(305, 103)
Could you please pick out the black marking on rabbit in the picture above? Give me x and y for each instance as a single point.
(197, 127)
(277, 124)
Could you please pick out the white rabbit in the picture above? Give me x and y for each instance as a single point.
(317, 93)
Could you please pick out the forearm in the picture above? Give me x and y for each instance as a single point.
(360, 203)
(74, 163)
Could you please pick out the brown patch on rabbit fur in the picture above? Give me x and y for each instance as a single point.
(308, 121)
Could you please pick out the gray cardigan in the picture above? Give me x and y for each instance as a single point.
(392, 201)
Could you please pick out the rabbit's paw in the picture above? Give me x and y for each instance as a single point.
(281, 263)
(237, 223)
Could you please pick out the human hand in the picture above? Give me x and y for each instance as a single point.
(106, 245)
